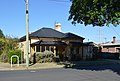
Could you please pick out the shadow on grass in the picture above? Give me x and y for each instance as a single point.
(94, 66)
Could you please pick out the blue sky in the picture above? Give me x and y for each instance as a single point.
(44, 13)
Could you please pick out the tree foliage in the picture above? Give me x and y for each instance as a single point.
(14, 52)
(1, 33)
(95, 12)
(7, 43)
(2, 45)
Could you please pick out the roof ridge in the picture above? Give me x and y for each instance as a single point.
(52, 29)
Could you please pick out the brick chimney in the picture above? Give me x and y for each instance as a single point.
(58, 27)
(114, 39)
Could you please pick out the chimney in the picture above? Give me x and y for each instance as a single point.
(58, 27)
(114, 39)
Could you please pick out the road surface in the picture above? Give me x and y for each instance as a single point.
(62, 74)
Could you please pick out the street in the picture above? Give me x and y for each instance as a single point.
(64, 74)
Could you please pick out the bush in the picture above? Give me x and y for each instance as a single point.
(14, 59)
(56, 59)
(4, 57)
(43, 57)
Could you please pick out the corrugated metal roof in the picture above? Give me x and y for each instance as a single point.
(111, 45)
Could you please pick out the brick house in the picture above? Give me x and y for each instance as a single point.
(61, 44)
(112, 47)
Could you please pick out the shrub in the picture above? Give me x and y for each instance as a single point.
(43, 57)
(56, 59)
(14, 59)
(39, 56)
(4, 57)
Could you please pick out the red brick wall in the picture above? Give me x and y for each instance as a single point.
(110, 49)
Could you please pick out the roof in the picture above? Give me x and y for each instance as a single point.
(71, 35)
(50, 33)
(111, 45)
(83, 44)
(78, 43)
(48, 43)
(45, 33)
(90, 43)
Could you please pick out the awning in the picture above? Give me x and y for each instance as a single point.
(56, 43)
(77, 44)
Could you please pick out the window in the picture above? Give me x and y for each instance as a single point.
(43, 48)
(77, 50)
(72, 50)
(37, 48)
(47, 48)
(52, 48)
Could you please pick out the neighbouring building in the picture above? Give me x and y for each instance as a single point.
(66, 45)
(112, 47)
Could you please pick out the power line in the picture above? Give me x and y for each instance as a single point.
(59, 1)
(116, 32)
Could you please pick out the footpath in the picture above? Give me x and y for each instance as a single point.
(7, 66)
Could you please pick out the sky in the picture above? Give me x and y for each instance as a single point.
(44, 13)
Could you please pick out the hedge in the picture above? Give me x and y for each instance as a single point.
(14, 52)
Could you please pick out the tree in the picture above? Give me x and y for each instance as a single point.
(7, 44)
(2, 42)
(2, 45)
(95, 12)
(1, 33)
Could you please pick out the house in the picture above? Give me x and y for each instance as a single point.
(112, 47)
(66, 45)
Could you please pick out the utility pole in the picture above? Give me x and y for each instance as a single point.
(27, 35)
